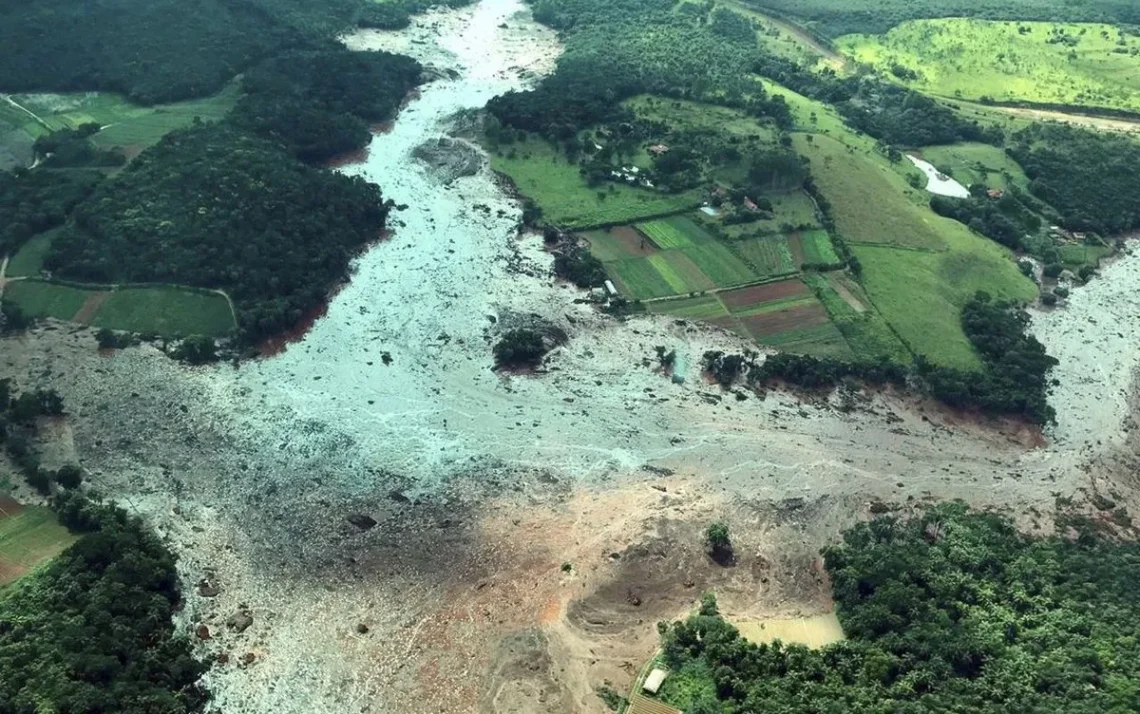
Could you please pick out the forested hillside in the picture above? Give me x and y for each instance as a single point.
(841, 17)
(950, 612)
(153, 50)
(214, 207)
(92, 631)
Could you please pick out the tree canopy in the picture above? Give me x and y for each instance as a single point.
(952, 611)
(212, 207)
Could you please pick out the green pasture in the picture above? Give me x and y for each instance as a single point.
(29, 538)
(770, 256)
(702, 307)
(1039, 62)
(867, 334)
(604, 246)
(819, 341)
(972, 163)
(29, 259)
(166, 311)
(920, 294)
(818, 247)
(1077, 254)
(871, 203)
(41, 299)
(718, 262)
(674, 232)
(542, 173)
(639, 279)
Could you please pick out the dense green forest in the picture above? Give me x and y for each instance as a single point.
(91, 631)
(154, 50)
(1091, 178)
(841, 17)
(211, 206)
(320, 103)
(34, 201)
(951, 611)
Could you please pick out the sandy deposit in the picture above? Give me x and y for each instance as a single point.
(481, 485)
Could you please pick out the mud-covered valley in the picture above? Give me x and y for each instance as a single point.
(407, 529)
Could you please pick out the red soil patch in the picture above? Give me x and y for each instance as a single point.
(273, 346)
(9, 506)
(90, 306)
(796, 245)
(348, 158)
(757, 294)
(633, 241)
(777, 321)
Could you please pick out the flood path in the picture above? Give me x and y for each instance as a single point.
(937, 182)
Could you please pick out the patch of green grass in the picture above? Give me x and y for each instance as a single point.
(664, 234)
(41, 299)
(972, 163)
(718, 262)
(818, 248)
(31, 537)
(1077, 254)
(29, 259)
(542, 173)
(702, 307)
(921, 294)
(638, 279)
(1010, 61)
(166, 311)
(819, 341)
(763, 308)
(770, 255)
(871, 203)
(867, 334)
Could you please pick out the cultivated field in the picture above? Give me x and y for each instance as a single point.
(29, 535)
(770, 256)
(817, 248)
(1041, 62)
(972, 163)
(164, 311)
(541, 173)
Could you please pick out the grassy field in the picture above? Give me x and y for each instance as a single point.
(166, 311)
(125, 123)
(29, 536)
(683, 114)
(674, 232)
(769, 256)
(722, 267)
(867, 334)
(871, 202)
(793, 209)
(29, 259)
(542, 173)
(163, 311)
(921, 294)
(1042, 62)
(702, 307)
(818, 248)
(40, 299)
(971, 163)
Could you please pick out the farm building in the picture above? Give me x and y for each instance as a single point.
(654, 680)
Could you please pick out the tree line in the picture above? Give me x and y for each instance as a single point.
(948, 611)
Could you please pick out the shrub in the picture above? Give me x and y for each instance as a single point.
(520, 347)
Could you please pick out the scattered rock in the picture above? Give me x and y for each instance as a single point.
(362, 628)
(208, 588)
(240, 621)
(362, 521)
(449, 159)
(203, 632)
